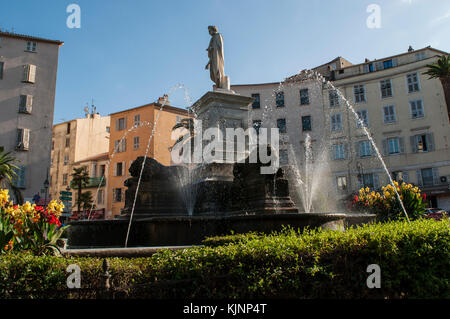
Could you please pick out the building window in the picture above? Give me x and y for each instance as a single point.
(26, 104)
(339, 151)
(306, 123)
(341, 182)
(413, 82)
(66, 159)
(31, 46)
(422, 143)
(136, 142)
(101, 197)
(359, 92)
(420, 55)
(389, 114)
(53, 145)
(279, 99)
(23, 139)
(1, 70)
(108, 129)
(416, 109)
(400, 176)
(64, 179)
(427, 177)
(120, 145)
(117, 195)
(336, 122)
(386, 88)
(284, 157)
(368, 68)
(334, 98)
(257, 125)
(363, 119)
(121, 124)
(102, 170)
(281, 124)
(304, 97)
(119, 169)
(178, 119)
(67, 141)
(368, 180)
(394, 145)
(387, 64)
(68, 128)
(365, 149)
(137, 120)
(20, 179)
(257, 102)
(29, 73)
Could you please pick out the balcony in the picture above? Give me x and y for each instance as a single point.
(93, 182)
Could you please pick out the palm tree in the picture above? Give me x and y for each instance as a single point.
(187, 124)
(8, 174)
(441, 71)
(80, 178)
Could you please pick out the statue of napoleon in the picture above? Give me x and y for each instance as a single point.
(216, 63)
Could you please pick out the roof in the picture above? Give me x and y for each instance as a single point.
(103, 156)
(29, 37)
(397, 55)
(164, 108)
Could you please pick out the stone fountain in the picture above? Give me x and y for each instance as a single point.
(230, 196)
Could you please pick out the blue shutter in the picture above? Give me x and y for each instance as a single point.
(419, 177)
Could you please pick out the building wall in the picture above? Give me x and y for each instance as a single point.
(158, 148)
(14, 56)
(88, 137)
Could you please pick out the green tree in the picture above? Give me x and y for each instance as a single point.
(8, 174)
(441, 71)
(187, 124)
(86, 201)
(80, 178)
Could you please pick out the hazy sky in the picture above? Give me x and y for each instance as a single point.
(128, 53)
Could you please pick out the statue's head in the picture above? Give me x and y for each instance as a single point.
(212, 29)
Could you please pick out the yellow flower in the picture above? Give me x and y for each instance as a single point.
(367, 189)
(3, 197)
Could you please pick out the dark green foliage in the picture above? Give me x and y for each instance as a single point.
(414, 259)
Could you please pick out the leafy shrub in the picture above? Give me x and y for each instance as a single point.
(414, 259)
(386, 204)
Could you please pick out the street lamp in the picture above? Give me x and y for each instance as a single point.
(46, 185)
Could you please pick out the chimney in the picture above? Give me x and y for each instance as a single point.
(164, 100)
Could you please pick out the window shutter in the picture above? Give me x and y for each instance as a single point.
(26, 72)
(26, 138)
(23, 176)
(376, 181)
(32, 74)
(419, 177)
(346, 151)
(125, 122)
(22, 103)
(117, 124)
(413, 141)
(124, 164)
(115, 169)
(436, 180)
(430, 141)
(379, 66)
(29, 103)
(357, 149)
(394, 62)
(360, 181)
(405, 176)
(385, 147)
(401, 142)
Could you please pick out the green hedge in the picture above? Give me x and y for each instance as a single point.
(414, 260)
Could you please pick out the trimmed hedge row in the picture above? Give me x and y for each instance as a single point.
(414, 260)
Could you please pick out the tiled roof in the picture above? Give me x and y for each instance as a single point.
(28, 37)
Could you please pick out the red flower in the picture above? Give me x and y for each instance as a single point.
(424, 196)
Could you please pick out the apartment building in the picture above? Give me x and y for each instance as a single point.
(79, 141)
(96, 167)
(28, 68)
(406, 115)
(132, 132)
(404, 112)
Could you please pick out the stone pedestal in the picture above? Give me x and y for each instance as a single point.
(220, 109)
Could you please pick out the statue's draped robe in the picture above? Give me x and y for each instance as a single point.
(215, 54)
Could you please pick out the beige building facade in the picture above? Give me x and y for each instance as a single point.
(28, 69)
(73, 143)
(402, 109)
